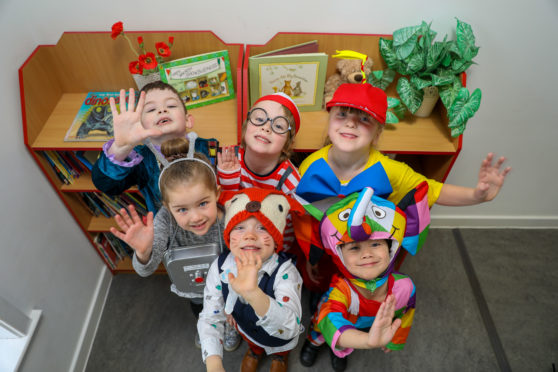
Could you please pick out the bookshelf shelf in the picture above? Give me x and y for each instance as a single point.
(55, 80)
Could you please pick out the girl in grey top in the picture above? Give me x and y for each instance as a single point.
(190, 214)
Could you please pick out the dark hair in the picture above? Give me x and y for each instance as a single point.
(184, 171)
(160, 85)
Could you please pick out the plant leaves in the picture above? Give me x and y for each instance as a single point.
(391, 118)
(393, 102)
(414, 64)
(419, 83)
(405, 41)
(381, 78)
(443, 77)
(449, 92)
(396, 111)
(465, 40)
(388, 54)
(411, 97)
(436, 54)
(462, 109)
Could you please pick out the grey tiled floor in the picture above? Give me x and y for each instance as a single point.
(144, 327)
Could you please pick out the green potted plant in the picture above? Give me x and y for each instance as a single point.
(429, 65)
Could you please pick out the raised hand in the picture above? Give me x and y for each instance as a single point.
(128, 130)
(227, 160)
(246, 281)
(134, 232)
(491, 179)
(384, 328)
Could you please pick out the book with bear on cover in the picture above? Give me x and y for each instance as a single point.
(93, 121)
(301, 76)
(201, 79)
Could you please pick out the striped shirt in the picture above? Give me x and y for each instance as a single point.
(284, 177)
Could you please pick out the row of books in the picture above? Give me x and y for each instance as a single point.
(100, 204)
(112, 248)
(69, 165)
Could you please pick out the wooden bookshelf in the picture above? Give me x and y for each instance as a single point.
(55, 80)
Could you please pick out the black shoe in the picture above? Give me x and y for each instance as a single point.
(308, 354)
(338, 364)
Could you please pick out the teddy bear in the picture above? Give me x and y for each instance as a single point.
(348, 71)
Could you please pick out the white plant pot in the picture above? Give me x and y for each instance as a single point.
(142, 80)
(429, 100)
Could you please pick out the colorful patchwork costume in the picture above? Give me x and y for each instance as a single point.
(358, 217)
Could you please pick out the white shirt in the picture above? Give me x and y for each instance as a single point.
(282, 320)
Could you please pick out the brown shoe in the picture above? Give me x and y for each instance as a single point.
(279, 363)
(250, 361)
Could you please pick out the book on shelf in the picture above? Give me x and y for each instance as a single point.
(100, 204)
(307, 47)
(202, 79)
(93, 121)
(301, 76)
(87, 158)
(105, 250)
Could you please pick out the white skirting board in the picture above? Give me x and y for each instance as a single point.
(494, 222)
(83, 347)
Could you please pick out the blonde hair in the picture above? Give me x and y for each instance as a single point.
(184, 171)
(287, 150)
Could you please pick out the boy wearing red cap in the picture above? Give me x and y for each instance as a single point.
(357, 114)
(255, 283)
(263, 159)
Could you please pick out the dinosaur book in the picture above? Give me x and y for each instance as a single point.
(93, 121)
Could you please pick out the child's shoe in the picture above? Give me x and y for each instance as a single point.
(308, 354)
(197, 341)
(279, 363)
(231, 338)
(250, 361)
(338, 364)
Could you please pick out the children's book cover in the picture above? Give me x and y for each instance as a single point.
(301, 76)
(201, 79)
(93, 121)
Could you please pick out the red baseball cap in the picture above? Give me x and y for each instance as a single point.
(364, 97)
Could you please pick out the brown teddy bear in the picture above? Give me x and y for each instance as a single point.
(348, 71)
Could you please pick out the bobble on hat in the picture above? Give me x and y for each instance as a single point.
(364, 97)
(286, 101)
(270, 207)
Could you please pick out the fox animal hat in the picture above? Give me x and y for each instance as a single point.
(270, 207)
(364, 97)
(286, 101)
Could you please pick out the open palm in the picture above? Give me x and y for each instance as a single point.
(491, 179)
(384, 327)
(128, 130)
(134, 232)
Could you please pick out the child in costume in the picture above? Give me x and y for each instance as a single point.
(125, 162)
(363, 234)
(357, 114)
(255, 283)
(263, 160)
(190, 215)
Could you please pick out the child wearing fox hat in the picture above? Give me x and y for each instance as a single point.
(368, 305)
(255, 285)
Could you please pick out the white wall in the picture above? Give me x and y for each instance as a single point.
(47, 262)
